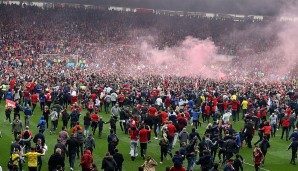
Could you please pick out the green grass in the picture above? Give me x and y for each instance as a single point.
(277, 158)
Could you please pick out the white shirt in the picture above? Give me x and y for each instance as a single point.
(226, 117)
(158, 101)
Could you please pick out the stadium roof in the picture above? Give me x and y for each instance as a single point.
(257, 7)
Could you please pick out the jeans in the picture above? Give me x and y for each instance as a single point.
(234, 113)
(39, 163)
(107, 105)
(143, 149)
(86, 130)
(72, 158)
(163, 153)
(133, 148)
(175, 140)
(80, 148)
(190, 163)
(27, 120)
(273, 130)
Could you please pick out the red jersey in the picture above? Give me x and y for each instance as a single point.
(288, 111)
(34, 98)
(73, 99)
(90, 105)
(171, 129)
(207, 110)
(258, 156)
(152, 111)
(48, 97)
(235, 104)
(26, 94)
(133, 134)
(94, 117)
(163, 116)
(144, 135)
(285, 122)
(266, 129)
(93, 96)
(121, 98)
(225, 105)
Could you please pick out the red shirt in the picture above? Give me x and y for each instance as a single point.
(133, 134)
(93, 96)
(163, 116)
(171, 129)
(225, 105)
(266, 129)
(288, 111)
(264, 113)
(94, 117)
(207, 109)
(177, 169)
(34, 98)
(121, 98)
(235, 104)
(258, 156)
(73, 99)
(144, 135)
(285, 122)
(152, 111)
(26, 94)
(90, 105)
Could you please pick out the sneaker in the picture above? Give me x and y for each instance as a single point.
(160, 162)
(50, 132)
(71, 168)
(156, 138)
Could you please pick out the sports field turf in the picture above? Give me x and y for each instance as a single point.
(277, 159)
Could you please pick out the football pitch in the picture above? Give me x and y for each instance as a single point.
(277, 158)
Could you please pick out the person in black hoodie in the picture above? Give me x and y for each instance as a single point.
(55, 160)
(112, 123)
(108, 163)
(112, 146)
(72, 145)
(205, 161)
(118, 157)
(248, 131)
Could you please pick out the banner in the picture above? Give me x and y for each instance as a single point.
(10, 104)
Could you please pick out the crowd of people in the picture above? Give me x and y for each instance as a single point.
(143, 101)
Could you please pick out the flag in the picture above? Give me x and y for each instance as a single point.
(10, 103)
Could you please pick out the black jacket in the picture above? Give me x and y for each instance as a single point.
(293, 145)
(55, 159)
(72, 145)
(108, 163)
(118, 157)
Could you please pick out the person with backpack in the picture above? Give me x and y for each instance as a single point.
(54, 121)
(27, 136)
(89, 142)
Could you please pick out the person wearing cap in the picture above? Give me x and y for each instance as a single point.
(32, 157)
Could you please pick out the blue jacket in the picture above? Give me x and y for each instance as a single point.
(42, 123)
(195, 115)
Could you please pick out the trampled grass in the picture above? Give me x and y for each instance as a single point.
(277, 158)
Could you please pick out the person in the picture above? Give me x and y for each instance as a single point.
(39, 135)
(87, 123)
(62, 147)
(90, 142)
(80, 139)
(15, 158)
(257, 157)
(54, 121)
(133, 134)
(63, 135)
(229, 165)
(72, 145)
(273, 123)
(65, 117)
(46, 113)
(248, 132)
(294, 147)
(41, 124)
(264, 145)
(27, 114)
(177, 167)
(39, 147)
(149, 164)
(112, 145)
(285, 127)
(164, 146)
(205, 161)
(108, 163)
(8, 113)
(32, 159)
(144, 133)
(94, 122)
(294, 134)
(55, 160)
(118, 157)
(17, 127)
(86, 161)
(27, 136)
(237, 164)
